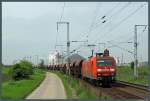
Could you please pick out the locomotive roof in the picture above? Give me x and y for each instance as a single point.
(105, 57)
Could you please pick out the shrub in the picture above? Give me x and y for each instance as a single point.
(22, 70)
(41, 64)
(28, 67)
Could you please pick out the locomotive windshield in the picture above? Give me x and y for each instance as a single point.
(104, 63)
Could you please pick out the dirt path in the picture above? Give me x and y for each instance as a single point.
(50, 88)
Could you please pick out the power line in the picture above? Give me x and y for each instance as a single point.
(116, 13)
(128, 16)
(119, 11)
(120, 37)
(93, 21)
(92, 27)
(92, 24)
(122, 21)
(111, 10)
(130, 37)
(114, 45)
(127, 40)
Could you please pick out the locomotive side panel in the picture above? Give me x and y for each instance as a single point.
(88, 69)
(94, 70)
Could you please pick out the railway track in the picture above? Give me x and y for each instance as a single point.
(133, 85)
(117, 91)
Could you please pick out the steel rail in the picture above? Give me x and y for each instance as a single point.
(138, 86)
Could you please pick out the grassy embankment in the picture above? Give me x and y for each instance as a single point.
(126, 74)
(74, 90)
(20, 89)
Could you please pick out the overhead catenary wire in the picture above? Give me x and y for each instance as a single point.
(120, 37)
(119, 23)
(93, 21)
(123, 35)
(92, 24)
(110, 11)
(116, 13)
(117, 44)
(141, 33)
(132, 37)
(106, 20)
(127, 17)
(107, 17)
(114, 45)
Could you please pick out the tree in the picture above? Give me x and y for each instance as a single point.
(22, 70)
(41, 63)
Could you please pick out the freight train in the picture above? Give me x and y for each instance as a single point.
(99, 69)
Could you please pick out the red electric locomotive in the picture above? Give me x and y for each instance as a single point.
(100, 69)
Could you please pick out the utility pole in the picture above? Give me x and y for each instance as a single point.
(122, 59)
(91, 45)
(118, 61)
(68, 47)
(30, 58)
(68, 44)
(37, 59)
(62, 58)
(135, 50)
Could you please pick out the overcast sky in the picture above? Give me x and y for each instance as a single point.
(29, 29)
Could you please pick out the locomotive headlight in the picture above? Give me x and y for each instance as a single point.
(99, 70)
(112, 69)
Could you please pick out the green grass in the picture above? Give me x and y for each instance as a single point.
(81, 91)
(5, 70)
(126, 74)
(20, 89)
(5, 73)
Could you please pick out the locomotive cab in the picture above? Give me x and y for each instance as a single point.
(100, 69)
(105, 67)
